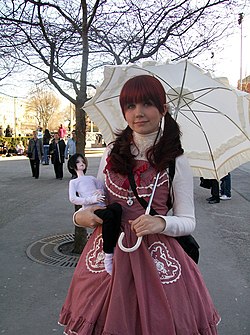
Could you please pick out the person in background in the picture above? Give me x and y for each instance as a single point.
(20, 148)
(11, 150)
(8, 131)
(215, 192)
(39, 132)
(5, 148)
(225, 187)
(46, 142)
(35, 154)
(56, 151)
(98, 140)
(62, 131)
(156, 289)
(70, 149)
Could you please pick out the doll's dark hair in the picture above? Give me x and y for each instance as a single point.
(136, 90)
(72, 164)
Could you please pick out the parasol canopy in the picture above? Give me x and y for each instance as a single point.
(213, 117)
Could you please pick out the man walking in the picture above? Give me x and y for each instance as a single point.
(35, 154)
(70, 149)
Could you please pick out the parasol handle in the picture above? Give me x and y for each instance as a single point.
(138, 242)
(139, 239)
(135, 247)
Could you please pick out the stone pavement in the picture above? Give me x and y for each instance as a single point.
(35, 212)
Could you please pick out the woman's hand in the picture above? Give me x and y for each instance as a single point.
(87, 218)
(147, 224)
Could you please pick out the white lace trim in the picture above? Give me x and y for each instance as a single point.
(168, 267)
(128, 193)
(95, 257)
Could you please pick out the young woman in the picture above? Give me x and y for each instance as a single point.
(158, 288)
(86, 191)
(56, 151)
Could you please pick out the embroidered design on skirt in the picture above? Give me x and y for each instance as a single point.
(169, 268)
(95, 256)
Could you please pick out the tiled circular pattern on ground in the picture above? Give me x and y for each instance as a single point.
(47, 251)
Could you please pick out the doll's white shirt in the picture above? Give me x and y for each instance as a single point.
(182, 219)
(85, 186)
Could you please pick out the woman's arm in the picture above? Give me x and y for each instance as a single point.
(87, 218)
(182, 222)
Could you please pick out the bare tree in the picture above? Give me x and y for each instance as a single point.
(42, 105)
(60, 38)
(64, 41)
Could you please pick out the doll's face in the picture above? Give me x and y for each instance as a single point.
(80, 165)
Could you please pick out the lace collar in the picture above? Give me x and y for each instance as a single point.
(142, 142)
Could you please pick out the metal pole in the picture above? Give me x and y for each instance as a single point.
(241, 47)
(15, 116)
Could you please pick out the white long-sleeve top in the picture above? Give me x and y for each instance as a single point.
(182, 221)
(85, 186)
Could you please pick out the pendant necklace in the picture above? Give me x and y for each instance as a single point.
(130, 200)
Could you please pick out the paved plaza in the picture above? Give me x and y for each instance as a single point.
(38, 211)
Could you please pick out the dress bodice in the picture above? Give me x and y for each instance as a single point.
(119, 189)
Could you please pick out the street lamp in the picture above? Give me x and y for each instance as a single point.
(240, 19)
(15, 116)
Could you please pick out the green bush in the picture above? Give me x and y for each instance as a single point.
(13, 141)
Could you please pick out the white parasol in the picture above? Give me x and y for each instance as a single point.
(213, 117)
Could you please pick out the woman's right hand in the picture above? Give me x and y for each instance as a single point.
(87, 218)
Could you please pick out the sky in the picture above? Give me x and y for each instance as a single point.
(228, 62)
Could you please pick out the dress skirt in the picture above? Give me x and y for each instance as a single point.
(163, 294)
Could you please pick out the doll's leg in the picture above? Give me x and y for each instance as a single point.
(115, 224)
(111, 217)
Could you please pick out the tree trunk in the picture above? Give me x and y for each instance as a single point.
(80, 239)
(80, 128)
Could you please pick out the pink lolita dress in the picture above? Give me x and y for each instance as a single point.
(155, 290)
